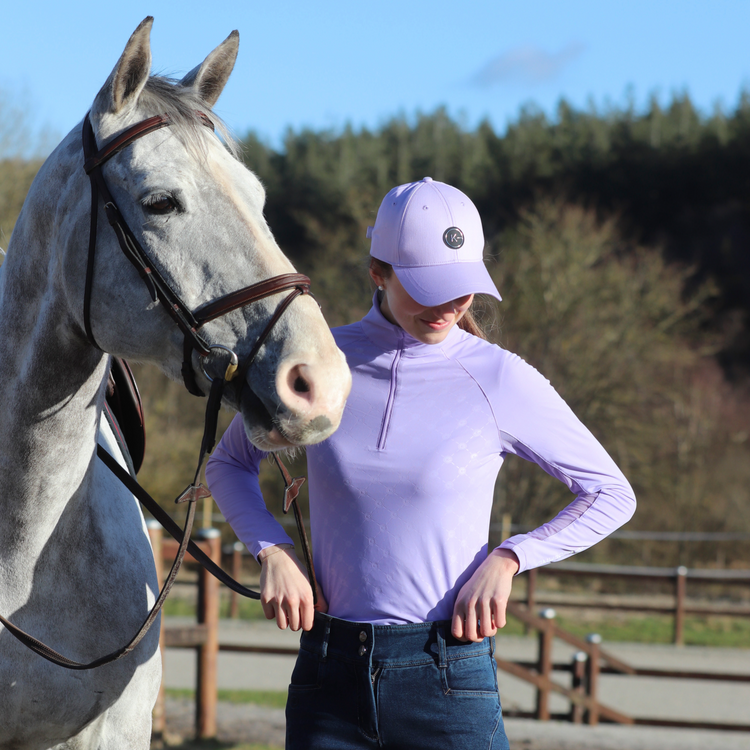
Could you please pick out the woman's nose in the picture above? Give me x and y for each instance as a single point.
(448, 308)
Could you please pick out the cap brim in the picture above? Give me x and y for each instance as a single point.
(438, 284)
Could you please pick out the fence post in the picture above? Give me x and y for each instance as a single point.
(679, 607)
(592, 678)
(530, 595)
(546, 636)
(505, 527)
(578, 671)
(159, 718)
(208, 615)
(234, 600)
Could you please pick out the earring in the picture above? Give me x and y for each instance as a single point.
(381, 288)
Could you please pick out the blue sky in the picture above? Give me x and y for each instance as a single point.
(327, 63)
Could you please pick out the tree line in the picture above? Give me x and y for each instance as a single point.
(673, 177)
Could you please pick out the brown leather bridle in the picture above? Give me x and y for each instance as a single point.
(189, 323)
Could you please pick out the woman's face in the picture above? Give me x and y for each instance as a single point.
(430, 325)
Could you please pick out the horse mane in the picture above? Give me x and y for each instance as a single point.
(163, 95)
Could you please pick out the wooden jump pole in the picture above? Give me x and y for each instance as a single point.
(208, 614)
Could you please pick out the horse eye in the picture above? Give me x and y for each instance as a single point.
(160, 204)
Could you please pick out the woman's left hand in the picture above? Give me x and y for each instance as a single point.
(480, 606)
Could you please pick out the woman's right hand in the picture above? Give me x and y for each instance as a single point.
(285, 592)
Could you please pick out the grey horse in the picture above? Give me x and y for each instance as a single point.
(76, 569)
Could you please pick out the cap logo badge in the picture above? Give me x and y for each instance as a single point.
(453, 237)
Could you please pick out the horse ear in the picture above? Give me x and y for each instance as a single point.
(210, 77)
(129, 76)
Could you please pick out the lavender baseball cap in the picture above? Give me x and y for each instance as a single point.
(432, 235)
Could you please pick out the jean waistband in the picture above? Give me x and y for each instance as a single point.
(411, 643)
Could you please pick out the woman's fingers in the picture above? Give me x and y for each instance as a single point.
(269, 610)
(457, 626)
(294, 616)
(471, 625)
(480, 605)
(281, 617)
(286, 595)
(474, 622)
(486, 622)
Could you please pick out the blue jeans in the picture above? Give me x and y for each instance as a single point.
(402, 687)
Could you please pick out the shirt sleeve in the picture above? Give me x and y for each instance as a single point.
(232, 476)
(537, 425)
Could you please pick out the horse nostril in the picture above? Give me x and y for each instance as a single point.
(301, 385)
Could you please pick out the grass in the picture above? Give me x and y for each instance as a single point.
(727, 632)
(268, 698)
(249, 609)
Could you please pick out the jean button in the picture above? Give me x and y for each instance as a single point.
(363, 636)
(362, 650)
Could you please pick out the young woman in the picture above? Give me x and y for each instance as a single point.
(400, 651)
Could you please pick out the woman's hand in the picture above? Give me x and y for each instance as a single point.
(285, 592)
(480, 606)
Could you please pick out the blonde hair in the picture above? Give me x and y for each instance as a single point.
(468, 321)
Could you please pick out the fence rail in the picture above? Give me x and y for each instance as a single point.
(587, 665)
(678, 577)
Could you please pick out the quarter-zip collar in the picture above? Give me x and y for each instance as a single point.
(389, 337)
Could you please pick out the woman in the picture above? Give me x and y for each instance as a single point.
(400, 651)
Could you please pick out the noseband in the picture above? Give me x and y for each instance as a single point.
(189, 322)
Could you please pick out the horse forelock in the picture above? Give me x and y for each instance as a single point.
(165, 96)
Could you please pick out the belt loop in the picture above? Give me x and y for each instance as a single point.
(442, 651)
(326, 638)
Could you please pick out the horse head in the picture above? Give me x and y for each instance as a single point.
(197, 214)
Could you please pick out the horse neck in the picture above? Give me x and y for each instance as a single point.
(53, 379)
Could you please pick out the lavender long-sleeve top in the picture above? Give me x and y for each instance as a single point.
(401, 493)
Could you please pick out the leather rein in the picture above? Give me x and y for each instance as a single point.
(189, 322)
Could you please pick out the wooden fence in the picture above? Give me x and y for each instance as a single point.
(677, 577)
(588, 663)
(203, 637)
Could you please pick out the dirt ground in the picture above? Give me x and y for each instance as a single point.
(237, 723)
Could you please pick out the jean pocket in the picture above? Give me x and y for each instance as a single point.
(473, 675)
(307, 672)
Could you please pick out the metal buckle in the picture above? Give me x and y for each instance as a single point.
(231, 370)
